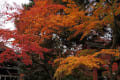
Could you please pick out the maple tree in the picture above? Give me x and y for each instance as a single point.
(40, 22)
(104, 13)
(48, 19)
(24, 49)
(68, 27)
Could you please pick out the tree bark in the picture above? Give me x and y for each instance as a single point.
(115, 34)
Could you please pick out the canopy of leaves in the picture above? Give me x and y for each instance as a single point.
(46, 17)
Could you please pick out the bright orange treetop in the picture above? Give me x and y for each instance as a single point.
(41, 20)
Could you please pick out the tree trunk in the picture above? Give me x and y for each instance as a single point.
(95, 75)
(116, 33)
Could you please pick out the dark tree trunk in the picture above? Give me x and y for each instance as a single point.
(116, 32)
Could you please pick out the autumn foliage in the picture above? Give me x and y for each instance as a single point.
(41, 21)
(57, 24)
